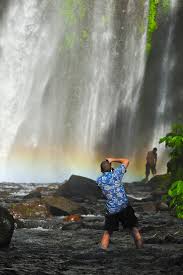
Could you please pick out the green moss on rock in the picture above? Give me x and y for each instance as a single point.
(152, 22)
(154, 5)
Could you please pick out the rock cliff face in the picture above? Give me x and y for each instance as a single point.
(6, 227)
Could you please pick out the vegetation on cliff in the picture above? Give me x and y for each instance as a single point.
(153, 18)
(176, 194)
(174, 141)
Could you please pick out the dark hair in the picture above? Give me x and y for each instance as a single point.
(155, 149)
(105, 166)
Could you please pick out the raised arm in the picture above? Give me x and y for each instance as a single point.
(119, 160)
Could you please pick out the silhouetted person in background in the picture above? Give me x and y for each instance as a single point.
(151, 160)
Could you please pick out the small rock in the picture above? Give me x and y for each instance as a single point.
(73, 218)
(162, 206)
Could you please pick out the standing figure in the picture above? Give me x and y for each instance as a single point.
(151, 160)
(117, 204)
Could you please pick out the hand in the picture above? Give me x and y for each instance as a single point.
(109, 160)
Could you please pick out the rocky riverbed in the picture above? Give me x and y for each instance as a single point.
(53, 245)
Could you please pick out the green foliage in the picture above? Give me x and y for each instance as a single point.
(152, 19)
(176, 194)
(176, 189)
(152, 22)
(174, 140)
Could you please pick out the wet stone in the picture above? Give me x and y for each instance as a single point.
(51, 245)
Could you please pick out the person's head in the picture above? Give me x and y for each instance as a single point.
(155, 149)
(105, 166)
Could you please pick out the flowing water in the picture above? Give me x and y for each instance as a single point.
(72, 75)
(164, 116)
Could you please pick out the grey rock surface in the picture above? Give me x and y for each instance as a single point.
(6, 227)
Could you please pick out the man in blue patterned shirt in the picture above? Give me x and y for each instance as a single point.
(117, 205)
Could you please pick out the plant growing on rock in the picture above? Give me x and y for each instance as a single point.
(152, 22)
(176, 194)
(152, 18)
(174, 141)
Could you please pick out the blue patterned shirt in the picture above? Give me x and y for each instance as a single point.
(113, 189)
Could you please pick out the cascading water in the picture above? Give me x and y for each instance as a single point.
(164, 107)
(71, 82)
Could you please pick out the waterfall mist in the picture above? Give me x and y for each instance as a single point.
(77, 85)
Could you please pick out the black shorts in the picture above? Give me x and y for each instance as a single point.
(126, 217)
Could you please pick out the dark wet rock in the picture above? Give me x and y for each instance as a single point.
(7, 190)
(81, 188)
(73, 225)
(139, 187)
(55, 211)
(162, 206)
(158, 195)
(29, 209)
(146, 207)
(51, 245)
(33, 195)
(160, 182)
(45, 207)
(60, 206)
(154, 190)
(6, 227)
(160, 238)
(4, 195)
(48, 223)
(46, 190)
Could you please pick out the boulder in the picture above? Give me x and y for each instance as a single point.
(80, 188)
(6, 227)
(45, 207)
(60, 206)
(30, 209)
(33, 195)
(160, 183)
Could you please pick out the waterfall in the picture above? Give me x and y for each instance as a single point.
(26, 55)
(73, 83)
(60, 92)
(164, 105)
(168, 65)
